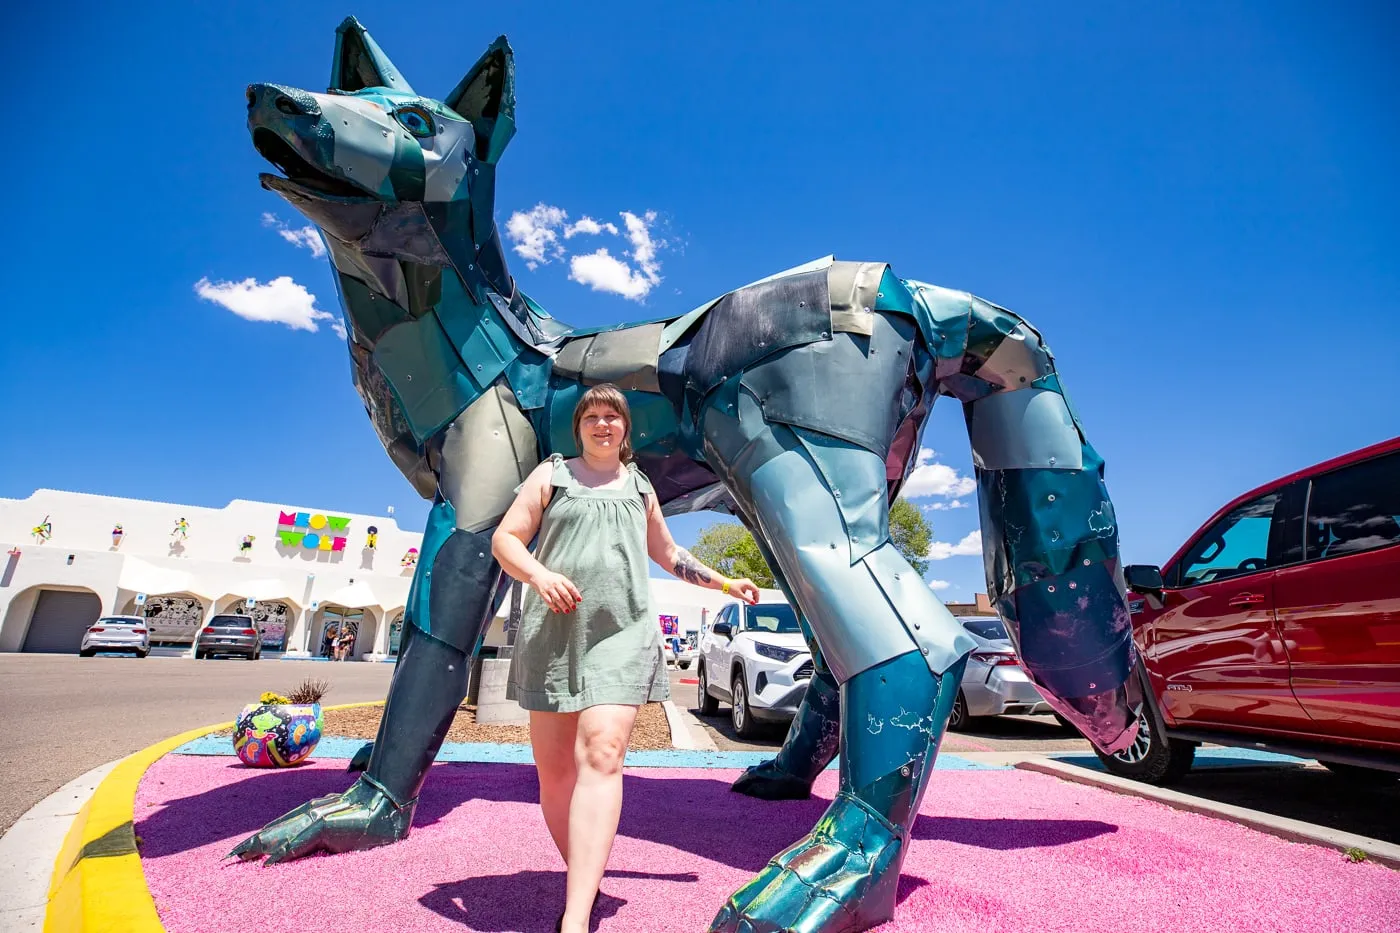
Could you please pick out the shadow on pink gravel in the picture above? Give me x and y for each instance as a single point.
(245, 805)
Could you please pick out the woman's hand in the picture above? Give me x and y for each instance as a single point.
(557, 591)
(745, 589)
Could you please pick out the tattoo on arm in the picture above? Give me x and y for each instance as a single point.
(691, 570)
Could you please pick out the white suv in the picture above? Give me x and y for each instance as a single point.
(756, 658)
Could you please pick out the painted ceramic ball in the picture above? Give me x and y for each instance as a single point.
(276, 735)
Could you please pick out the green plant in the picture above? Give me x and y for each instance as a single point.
(309, 691)
(1356, 855)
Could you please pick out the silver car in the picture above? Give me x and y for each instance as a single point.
(117, 633)
(229, 634)
(993, 683)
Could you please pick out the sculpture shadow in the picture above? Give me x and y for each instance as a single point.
(689, 814)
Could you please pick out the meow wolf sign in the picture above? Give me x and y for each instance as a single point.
(312, 530)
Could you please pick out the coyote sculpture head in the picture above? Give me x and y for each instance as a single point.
(371, 147)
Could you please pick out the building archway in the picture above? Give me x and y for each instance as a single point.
(271, 617)
(395, 634)
(173, 619)
(334, 620)
(60, 617)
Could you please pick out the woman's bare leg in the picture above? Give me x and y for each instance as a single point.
(603, 732)
(552, 737)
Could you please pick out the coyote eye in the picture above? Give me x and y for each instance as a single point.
(416, 120)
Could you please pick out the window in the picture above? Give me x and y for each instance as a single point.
(1235, 545)
(990, 629)
(773, 618)
(1355, 509)
(230, 622)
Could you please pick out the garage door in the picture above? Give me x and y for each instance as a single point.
(60, 618)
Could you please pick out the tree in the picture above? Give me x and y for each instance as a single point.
(729, 548)
(911, 534)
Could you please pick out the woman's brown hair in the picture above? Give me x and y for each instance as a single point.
(606, 395)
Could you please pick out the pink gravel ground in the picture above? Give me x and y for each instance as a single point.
(992, 851)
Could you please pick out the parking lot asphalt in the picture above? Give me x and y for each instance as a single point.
(61, 715)
(1309, 793)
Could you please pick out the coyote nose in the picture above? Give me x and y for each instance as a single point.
(291, 101)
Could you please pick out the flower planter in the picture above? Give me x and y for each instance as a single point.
(277, 735)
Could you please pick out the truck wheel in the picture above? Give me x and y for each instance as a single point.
(740, 714)
(707, 705)
(1152, 758)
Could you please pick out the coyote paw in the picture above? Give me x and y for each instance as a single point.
(361, 818)
(841, 878)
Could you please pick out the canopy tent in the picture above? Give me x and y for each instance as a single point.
(357, 595)
(138, 576)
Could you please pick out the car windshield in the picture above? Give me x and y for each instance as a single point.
(121, 620)
(991, 629)
(228, 622)
(776, 618)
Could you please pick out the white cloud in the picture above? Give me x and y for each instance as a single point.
(307, 237)
(970, 544)
(643, 247)
(945, 506)
(604, 272)
(590, 226)
(338, 326)
(534, 234)
(536, 237)
(938, 585)
(935, 479)
(280, 301)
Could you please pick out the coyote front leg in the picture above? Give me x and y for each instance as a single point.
(487, 451)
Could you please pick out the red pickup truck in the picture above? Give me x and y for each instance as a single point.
(1277, 626)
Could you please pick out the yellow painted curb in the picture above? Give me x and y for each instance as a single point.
(98, 885)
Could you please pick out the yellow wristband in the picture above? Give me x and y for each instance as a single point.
(725, 589)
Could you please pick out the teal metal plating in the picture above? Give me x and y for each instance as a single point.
(795, 402)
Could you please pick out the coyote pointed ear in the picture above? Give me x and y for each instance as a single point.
(486, 96)
(360, 63)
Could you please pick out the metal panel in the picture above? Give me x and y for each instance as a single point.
(1023, 429)
(1019, 360)
(754, 322)
(848, 387)
(856, 478)
(854, 288)
(486, 453)
(625, 357)
(425, 373)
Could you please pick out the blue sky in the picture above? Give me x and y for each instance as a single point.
(1196, 204)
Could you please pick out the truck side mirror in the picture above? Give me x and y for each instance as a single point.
(723, 628)
(1144, 578)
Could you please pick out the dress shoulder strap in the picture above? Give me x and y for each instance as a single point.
(640, 479)
(562, 477)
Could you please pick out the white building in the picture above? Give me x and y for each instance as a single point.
(300, 572)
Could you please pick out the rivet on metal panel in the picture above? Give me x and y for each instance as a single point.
(1052, 461)
(866, 310)
(1074, 586)
(478, 367)
(1050, 588)
(1051, 497)
(904, 771)
(1054, 536)
(470, 267)
(451, 668)
(476, 171)
(480, 553)
(833, 545)
(1093, 686)
(1086, 562)
(409, 378)
(879, 294)
(917, 626)
(896, 576)
(836, 493)
(763, 343)
(924, 650)
(825, 335)
(802, 304)
(428, 574)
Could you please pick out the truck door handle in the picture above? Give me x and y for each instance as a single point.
(1246, 599)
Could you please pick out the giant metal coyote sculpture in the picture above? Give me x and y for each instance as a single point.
(795, 402)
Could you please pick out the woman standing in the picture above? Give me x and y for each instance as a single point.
(588, 653)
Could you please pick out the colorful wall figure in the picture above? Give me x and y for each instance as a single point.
(42, 531)
(181, 531)
(117, 535)
(372, 537)
(245, 547)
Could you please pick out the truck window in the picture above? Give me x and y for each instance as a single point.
(1235, 545)
(1354, 509)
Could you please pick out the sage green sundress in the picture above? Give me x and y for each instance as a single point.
(608, 650)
